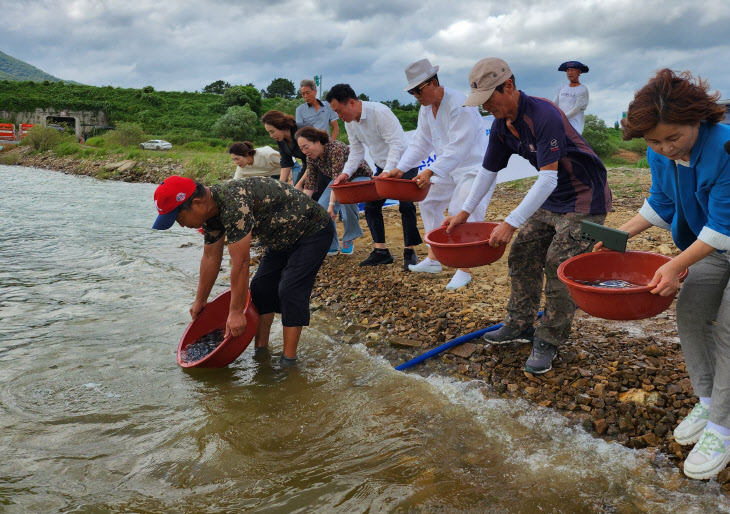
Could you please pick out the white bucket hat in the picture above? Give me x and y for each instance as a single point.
(419, 72)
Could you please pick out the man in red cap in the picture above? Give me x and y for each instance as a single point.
(296, 230)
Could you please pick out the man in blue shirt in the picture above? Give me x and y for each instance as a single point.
(571, 187)
(314, 112)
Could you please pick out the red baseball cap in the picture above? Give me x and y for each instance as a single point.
(169, 195)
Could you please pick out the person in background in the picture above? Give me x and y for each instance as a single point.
(281, 127)
(295, 229)
(327, 157)
(571, 187)
(572, 98)
(374, 125)
(456, 135)
(314, 112)
(250, 161)
(690, 175)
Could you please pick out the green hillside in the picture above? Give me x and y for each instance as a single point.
(155, 111)
(15, 69)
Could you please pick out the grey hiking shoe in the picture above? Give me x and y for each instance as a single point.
(508, 334)
(541, 358)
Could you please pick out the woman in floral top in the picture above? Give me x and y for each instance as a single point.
(326, 158)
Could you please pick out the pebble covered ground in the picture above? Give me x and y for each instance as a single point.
(622, 381)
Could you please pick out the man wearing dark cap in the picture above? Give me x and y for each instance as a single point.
(571, 187)
(572, 98)
(295, 229)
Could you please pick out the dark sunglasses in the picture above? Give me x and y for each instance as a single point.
(418, 88)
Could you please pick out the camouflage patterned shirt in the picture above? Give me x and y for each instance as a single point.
(277, 213)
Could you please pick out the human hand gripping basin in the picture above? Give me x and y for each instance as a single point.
(356, 192)
(622, 303)
(213, 317)
(403, 190)
(467, 246)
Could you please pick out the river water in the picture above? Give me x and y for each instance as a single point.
(96, 415)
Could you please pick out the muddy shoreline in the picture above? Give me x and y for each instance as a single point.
(622, 381)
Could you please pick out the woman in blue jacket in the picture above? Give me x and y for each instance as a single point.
(690, 195)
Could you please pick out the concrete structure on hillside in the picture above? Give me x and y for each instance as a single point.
(83, 122)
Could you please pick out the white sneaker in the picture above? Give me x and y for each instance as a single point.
(708, 457)
(426, 266)
(691, 427)
(459, 280)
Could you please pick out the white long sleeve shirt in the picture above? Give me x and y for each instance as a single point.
(381, 132)
(455, 135)
(535, 197)
(573, 101)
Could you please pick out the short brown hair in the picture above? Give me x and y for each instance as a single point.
(671, 98)
(279, 120)
(242, 149)
(312, 134)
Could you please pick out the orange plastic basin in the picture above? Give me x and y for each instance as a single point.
(214, 317)
(467, 246)
(619, 304)
(356, 192)
(403, 190)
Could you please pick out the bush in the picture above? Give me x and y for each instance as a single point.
(238, 123)
(243, 95)
(67, 148)
(638, 145)
(408, 119)
(595, 133)
(96, 142)
(198, 146)
(126, 134)
(281, 104)
(42, 138)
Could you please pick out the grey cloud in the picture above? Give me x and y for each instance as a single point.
(188, 44)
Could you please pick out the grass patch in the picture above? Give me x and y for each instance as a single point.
(67, 148)
(9, 159)
(523, 184)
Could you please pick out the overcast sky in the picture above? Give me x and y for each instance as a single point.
(183, 45)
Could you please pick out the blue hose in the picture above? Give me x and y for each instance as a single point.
(454, 342)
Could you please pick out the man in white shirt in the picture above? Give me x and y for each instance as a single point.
(314, 112)
(374, 125)
(572, 98)
(456, 135)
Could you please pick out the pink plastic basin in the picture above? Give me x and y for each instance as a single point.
(213, 317)
(403, 190)
(467, 246)
(356, 192)
(619, 304)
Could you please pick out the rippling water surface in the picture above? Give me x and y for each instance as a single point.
(96, 416)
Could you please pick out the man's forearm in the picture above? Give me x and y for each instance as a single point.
(209, 268)
(239, 284)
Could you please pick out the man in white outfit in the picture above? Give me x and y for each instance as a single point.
(456, 135)
(374, 125)
(572, 98)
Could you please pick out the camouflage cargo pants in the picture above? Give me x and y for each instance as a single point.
(542, 244)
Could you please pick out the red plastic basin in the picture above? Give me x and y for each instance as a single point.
(400, 189)
(467, 246)
(213, 317)
(618, 304)
(356, 192)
